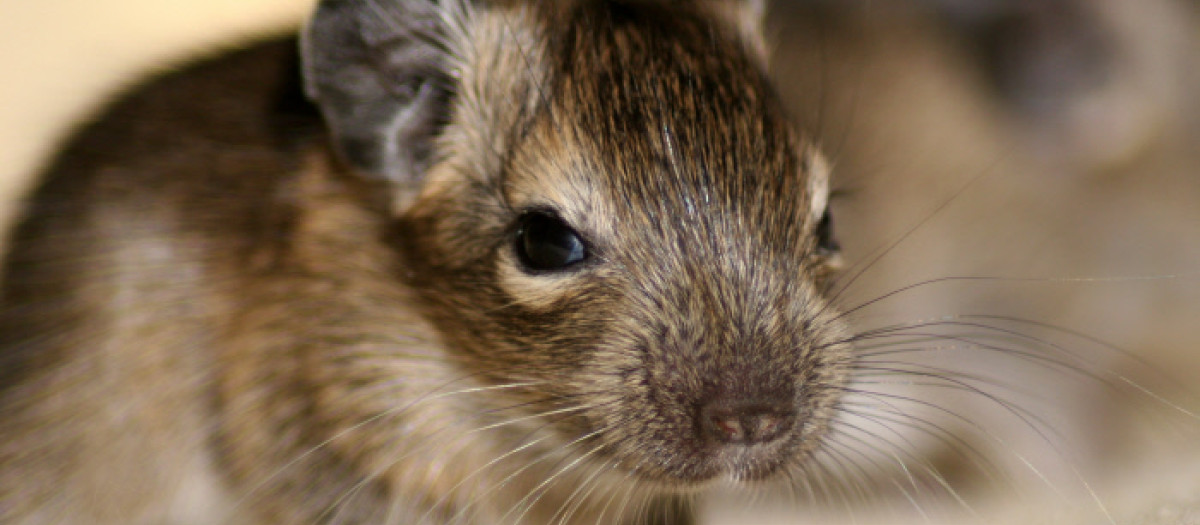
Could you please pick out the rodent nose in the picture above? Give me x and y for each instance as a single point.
(745, 422)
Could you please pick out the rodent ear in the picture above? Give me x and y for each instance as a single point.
(749, 17)
(755, 10)
(749, 11)
(378, 71)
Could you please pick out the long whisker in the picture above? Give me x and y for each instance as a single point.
(432, 394)
(447, 427)
(538, 490)
(525, 443)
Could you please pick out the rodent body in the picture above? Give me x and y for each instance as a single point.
(563, 261)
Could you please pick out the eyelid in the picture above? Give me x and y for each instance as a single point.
(579, 227)
(577, 250)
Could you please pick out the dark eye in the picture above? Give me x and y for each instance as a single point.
(826, 244)
(545, 243)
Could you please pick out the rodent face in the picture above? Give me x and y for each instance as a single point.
(685, 338)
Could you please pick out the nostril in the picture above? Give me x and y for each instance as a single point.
(744, 422)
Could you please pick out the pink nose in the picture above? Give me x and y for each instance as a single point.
(745, 422)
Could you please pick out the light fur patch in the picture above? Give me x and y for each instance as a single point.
(496, 53)
(818, 183)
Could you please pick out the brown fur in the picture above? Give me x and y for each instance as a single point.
(208, 319)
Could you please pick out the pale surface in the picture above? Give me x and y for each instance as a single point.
(59, 58)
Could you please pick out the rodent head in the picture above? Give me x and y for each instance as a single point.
(603, 202)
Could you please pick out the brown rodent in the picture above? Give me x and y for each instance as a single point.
(552, 262)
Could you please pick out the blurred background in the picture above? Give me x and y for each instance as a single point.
(1048, 150)
(1041, 159)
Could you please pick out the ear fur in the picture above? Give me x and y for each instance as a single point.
(756, 10)
(748, 17)
(377, 69)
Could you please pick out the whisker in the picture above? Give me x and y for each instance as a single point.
(873, 259)
(540, 489)
(895, 415)
(344, 432)
(524, 443)
(576, 499)
(402, 458)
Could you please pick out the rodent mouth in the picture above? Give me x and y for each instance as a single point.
(693, 474)
(682, 421)
(736, 430)
(692, 464)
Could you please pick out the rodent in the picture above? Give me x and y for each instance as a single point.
(533, 262)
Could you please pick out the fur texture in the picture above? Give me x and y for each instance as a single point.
(212, 316)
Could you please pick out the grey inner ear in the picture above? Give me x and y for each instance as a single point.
(378, 73)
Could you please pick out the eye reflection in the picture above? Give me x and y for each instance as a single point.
(545, 243)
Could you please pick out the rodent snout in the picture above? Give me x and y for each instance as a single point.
(745, 421)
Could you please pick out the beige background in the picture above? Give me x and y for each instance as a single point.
(60, 58)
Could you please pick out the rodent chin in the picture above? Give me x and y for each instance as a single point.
(693, 459)
(737, 466)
